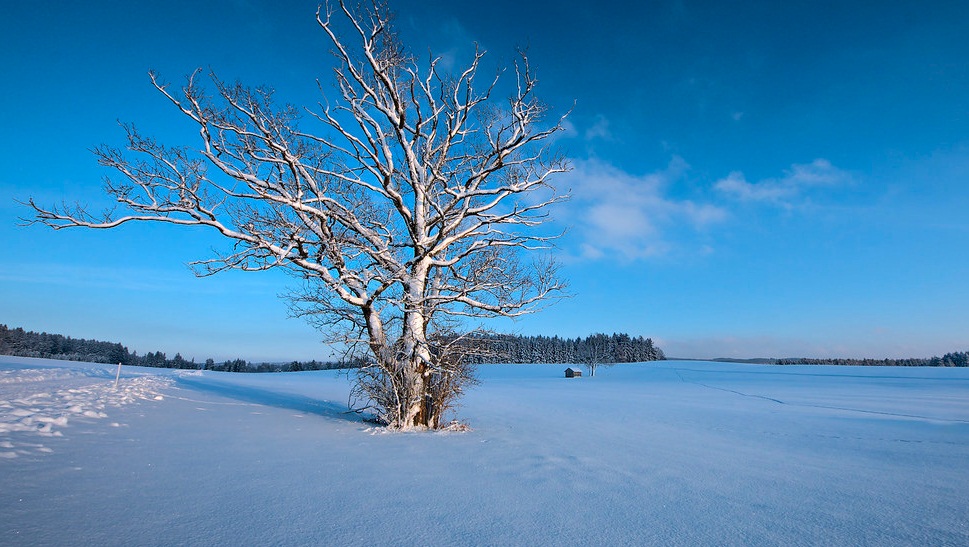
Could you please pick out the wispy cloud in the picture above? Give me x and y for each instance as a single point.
(599, 129)
(788, 190)
(569, 131)
(618, 214)
(590, 132)
(451, 42)
(162, 280)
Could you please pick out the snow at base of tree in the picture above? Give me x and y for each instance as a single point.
(663, 453)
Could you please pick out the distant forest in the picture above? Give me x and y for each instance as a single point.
(23, 343)
(956, 359)
(497, 348)
(602, 348)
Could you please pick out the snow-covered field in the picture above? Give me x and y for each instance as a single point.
(667, 453)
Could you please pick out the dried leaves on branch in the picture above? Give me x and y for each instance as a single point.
(408, 200)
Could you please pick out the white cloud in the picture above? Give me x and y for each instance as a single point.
(568, 131)
(615, 213)
(737, 186)
(599, 129)
(451, 42)
(785, 191)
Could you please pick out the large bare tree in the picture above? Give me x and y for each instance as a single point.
(411, 208)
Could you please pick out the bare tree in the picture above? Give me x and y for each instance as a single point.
(414, 205)
(596, 351)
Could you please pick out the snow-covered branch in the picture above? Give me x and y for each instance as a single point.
(405, 197)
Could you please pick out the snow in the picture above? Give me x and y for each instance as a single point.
(666, 453)
(35, 401)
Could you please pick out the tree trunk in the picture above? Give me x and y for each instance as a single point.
(416, 354)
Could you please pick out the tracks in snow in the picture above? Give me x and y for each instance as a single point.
(39, 403)
(679, 374)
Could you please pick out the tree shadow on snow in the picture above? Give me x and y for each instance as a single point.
(265, 397)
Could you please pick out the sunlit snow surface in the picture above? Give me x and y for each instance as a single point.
(39, 402)
(669, 453)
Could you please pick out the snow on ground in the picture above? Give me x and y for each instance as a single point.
(668, 453)
(39, 402)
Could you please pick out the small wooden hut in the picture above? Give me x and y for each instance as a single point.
(573, 373)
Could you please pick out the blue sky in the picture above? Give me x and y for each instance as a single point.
(750, 178)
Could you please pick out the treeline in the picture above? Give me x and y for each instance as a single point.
(55, 346)
(496, 348)
(956, 359)
(21, 343)
(598, 348)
